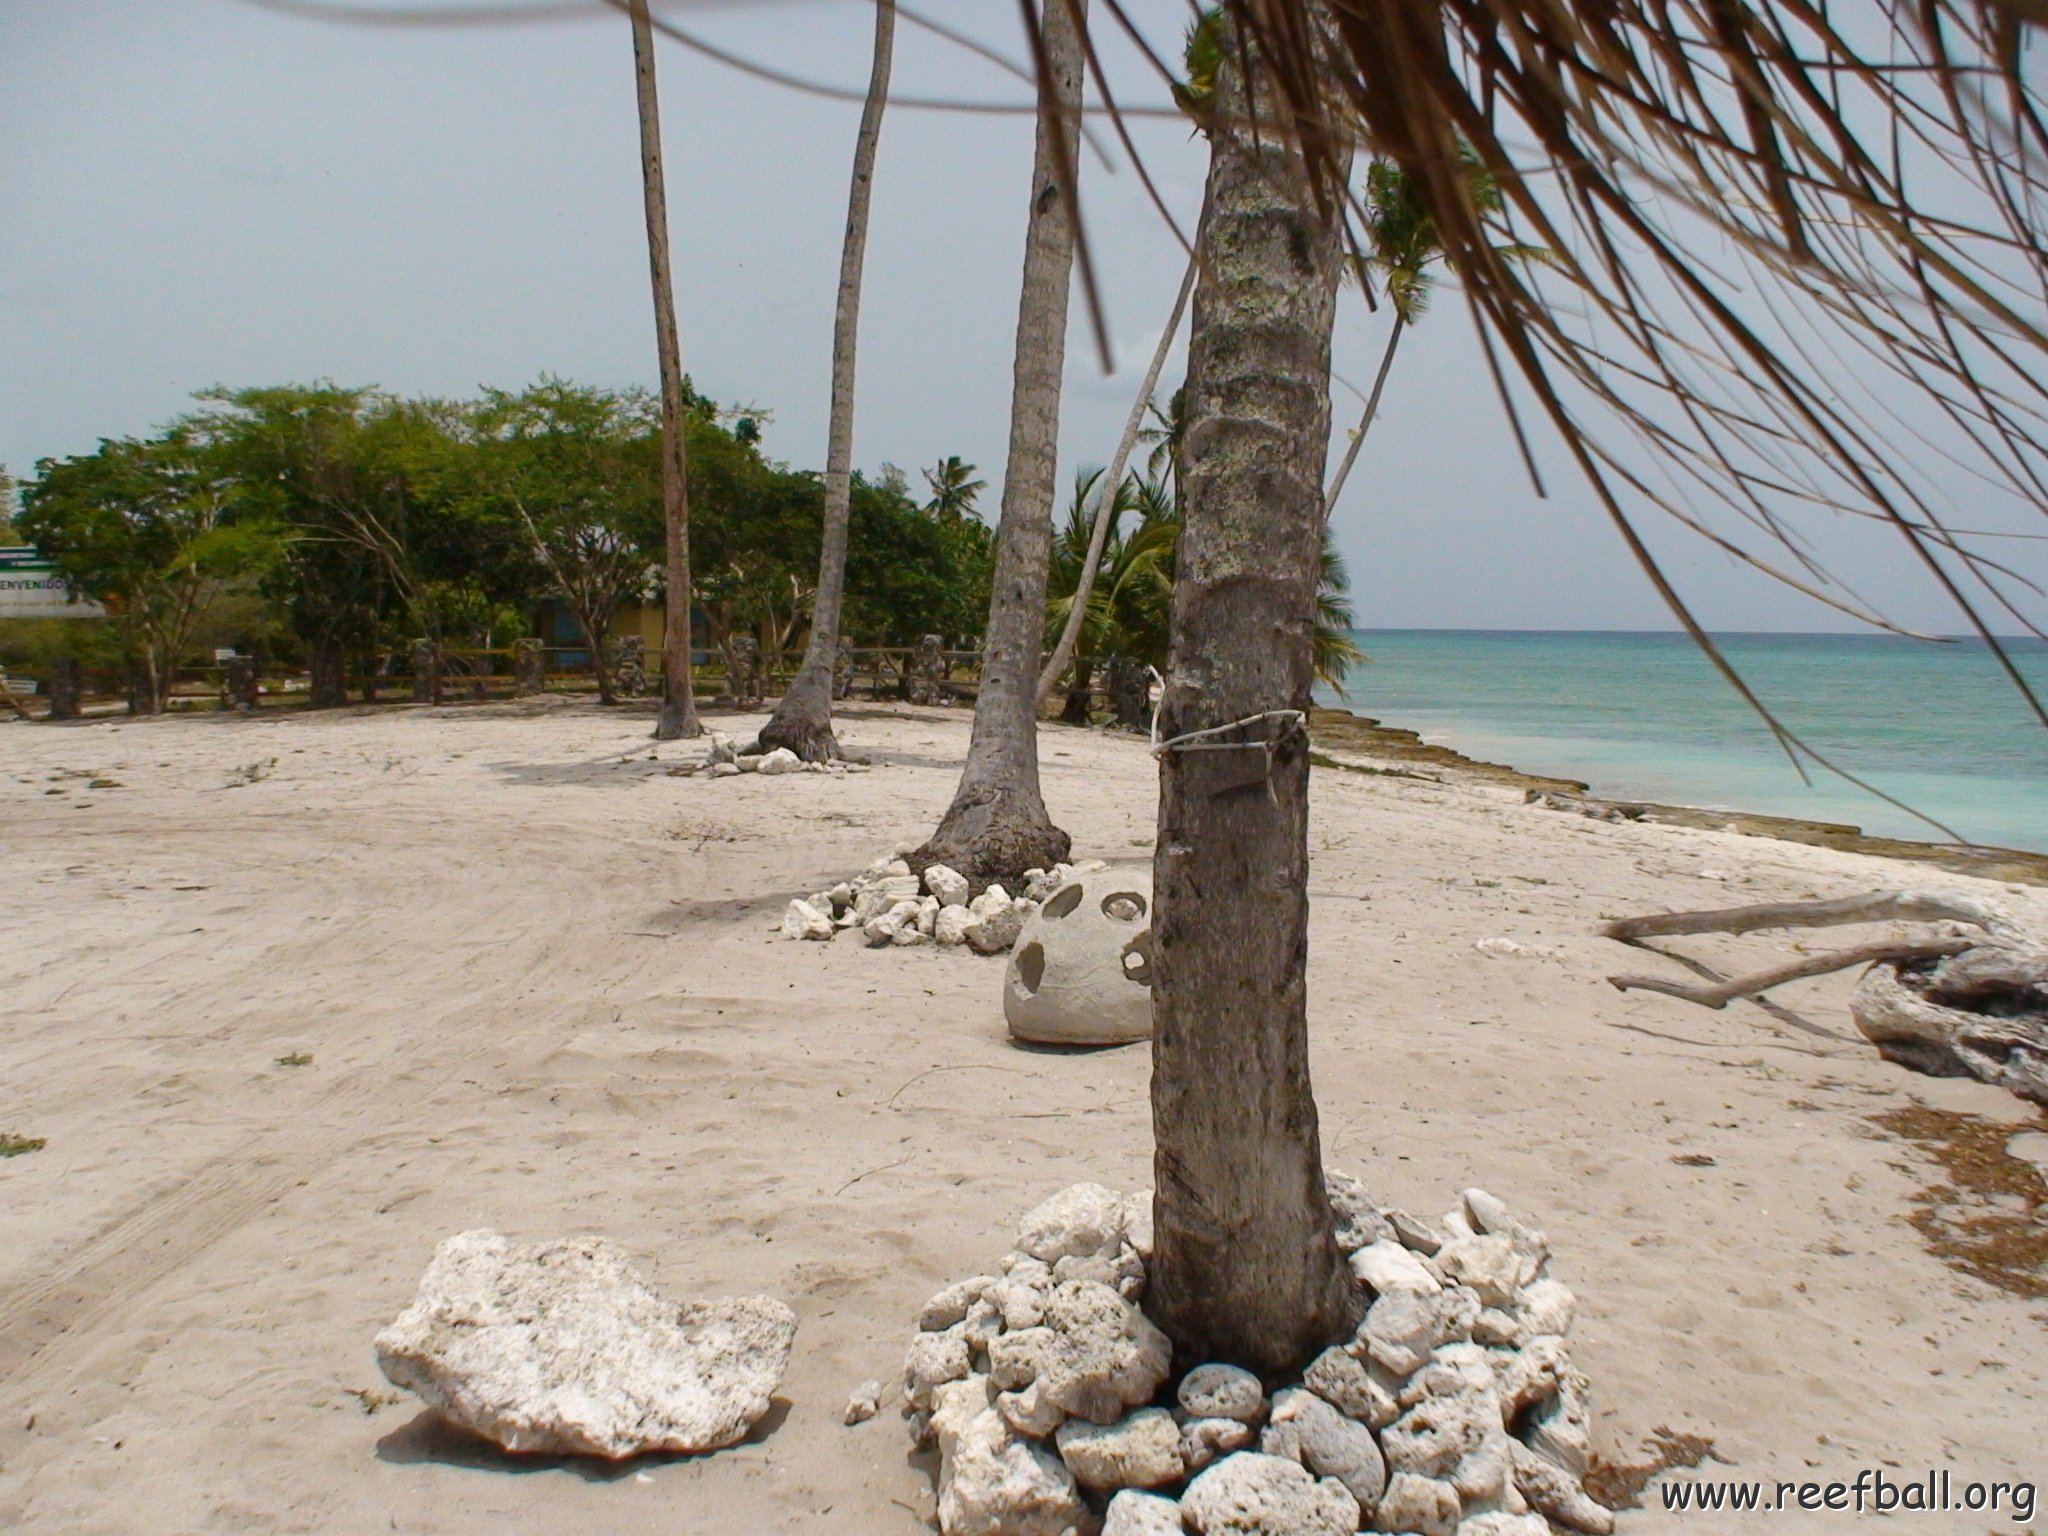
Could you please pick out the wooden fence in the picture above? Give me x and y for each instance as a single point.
(927, 673)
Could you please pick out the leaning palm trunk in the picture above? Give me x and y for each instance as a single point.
(802, 721)
(997, 826)
(1246, 1267)
(1105, 506)
(1372, 409)
(678, 703)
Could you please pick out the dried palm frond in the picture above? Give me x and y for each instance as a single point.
(1796, 252)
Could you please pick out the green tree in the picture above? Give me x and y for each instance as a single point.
(143, 527)
(579, 470)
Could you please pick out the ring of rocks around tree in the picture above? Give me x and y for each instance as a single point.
(1453, 1411)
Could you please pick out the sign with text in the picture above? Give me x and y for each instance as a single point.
(30, 588)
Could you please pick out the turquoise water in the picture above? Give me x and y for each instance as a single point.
(1643, 716)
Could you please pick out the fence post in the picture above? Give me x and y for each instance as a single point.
(928, 671)
(1130, 693)
(842, 671)
(529, 668)
(238, 683)
(64, 688)
(631, 672)
(743, 669)
(426, 672)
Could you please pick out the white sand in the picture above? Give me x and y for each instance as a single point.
(538, 982)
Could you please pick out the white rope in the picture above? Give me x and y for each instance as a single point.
(1197, 741)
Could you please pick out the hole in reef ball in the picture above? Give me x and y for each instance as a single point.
(1031, 966)
(1124, 906)
(1063, 900)
(1137, 959)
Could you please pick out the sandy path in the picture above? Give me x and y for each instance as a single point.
(536, 978)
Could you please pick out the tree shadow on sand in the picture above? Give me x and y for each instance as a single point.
(429, 1438)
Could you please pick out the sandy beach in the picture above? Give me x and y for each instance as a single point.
(538, 980)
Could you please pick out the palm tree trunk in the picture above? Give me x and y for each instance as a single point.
(678, 703)
(1105, 509)
(997, 826)
(1372, 408)
(1246, 1267)
(802, 721)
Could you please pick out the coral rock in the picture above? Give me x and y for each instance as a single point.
(1142, 1451)
(990, 1482)
(1203, 1440)
(804, 921)
(1306, 1429)
(1556, 1493)
(1253, 1495)
(1141, 1514)
(1222, 1392)
(1108, 1356)
(1081, 1221)
(1342, 1380)
(1421, 1506)
(1388, 1266)
(561, 1347)
(1359, 1221)
(947, 884)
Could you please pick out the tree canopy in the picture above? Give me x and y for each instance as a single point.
(360, 520)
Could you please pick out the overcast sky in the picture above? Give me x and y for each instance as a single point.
(196, 192)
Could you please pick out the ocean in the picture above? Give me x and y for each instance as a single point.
(1644, 716)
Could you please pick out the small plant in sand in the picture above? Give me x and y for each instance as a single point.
(12, 1145)
(296, 1059)
(251, 773)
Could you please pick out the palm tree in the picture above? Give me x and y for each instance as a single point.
(954, 489)
(678, 702)
(802, 721)
(1402, 244)
(1246, 1266)
(997, 826)
(1165, 435)
(1105, 513)
(1127, 608)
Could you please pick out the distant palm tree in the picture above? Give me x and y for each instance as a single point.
(954, 489)
(1402, 243)
(1063, 646)
(802, 722)
(1128, 607)
(678, 703)
(997, 825)
(1168, 429)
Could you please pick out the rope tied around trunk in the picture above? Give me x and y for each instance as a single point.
(1202, 740)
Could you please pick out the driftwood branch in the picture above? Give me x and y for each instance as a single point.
(1875, 907)
(1793, 970)
(1940, 1003)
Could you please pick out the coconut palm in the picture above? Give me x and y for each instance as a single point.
(678, 702)
(1127, 607)
(997, 826)
(1063, 647)
(1401, 245)
(802, 720)
(1245, 1265)
(954, 489)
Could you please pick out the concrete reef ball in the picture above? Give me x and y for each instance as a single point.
(1081, 971)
